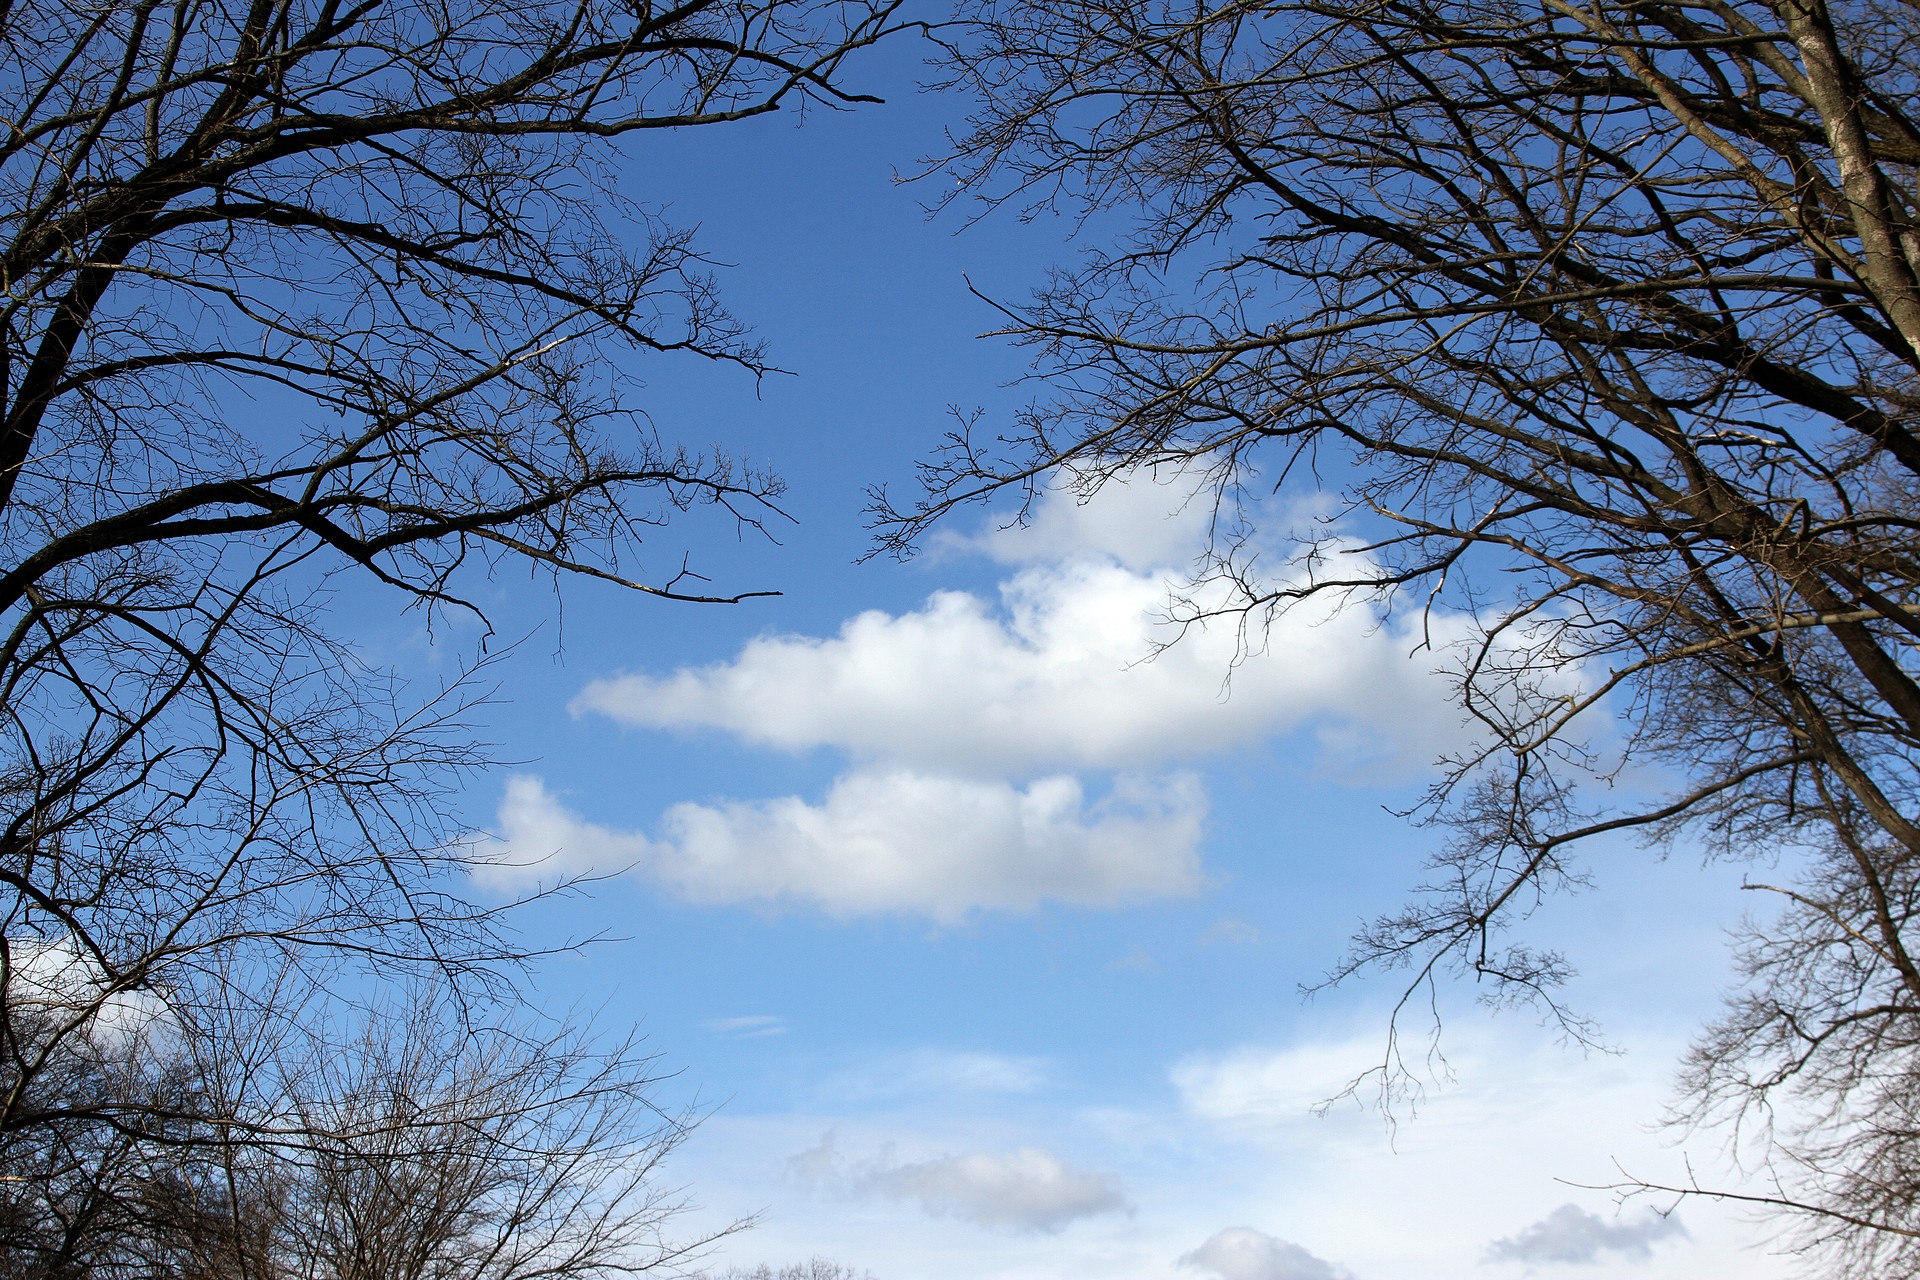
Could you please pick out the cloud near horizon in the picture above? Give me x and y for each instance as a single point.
(1242, 1253)
(1571, 1235)
(1027, 1190)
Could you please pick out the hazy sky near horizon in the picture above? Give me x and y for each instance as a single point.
(981, 937)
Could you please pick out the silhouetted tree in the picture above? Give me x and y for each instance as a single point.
(1604, 315)
(309, 301)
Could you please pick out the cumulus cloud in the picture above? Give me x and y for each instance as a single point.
(1143, 523)
(67, 985)
(884, 840)
(1025, 1190)
(1055, 677)
(969, 722)
(896, 840)
(1241, 1253)
(536, 838)
(1574, 1236)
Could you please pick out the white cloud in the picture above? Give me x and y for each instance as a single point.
(1418, 1203)
(1025, 1190)
(1574, 1236)
(1028, 1189)
(966, 722)
(68, 986)
(895, 840)
(536, 839)
(1057, 677)
(1140, 522)
(887, 840)
(1241, 1253)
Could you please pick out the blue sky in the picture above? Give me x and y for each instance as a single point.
(980, 936)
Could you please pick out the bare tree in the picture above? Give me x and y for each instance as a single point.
(305, 298)
(1605, 317)
(815, 1268)
(423, 1147)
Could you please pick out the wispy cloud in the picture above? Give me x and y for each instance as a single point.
(1232, 932)
(1136, 959)
(1260, 1085)
(929, 1073)
(749, 1027)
